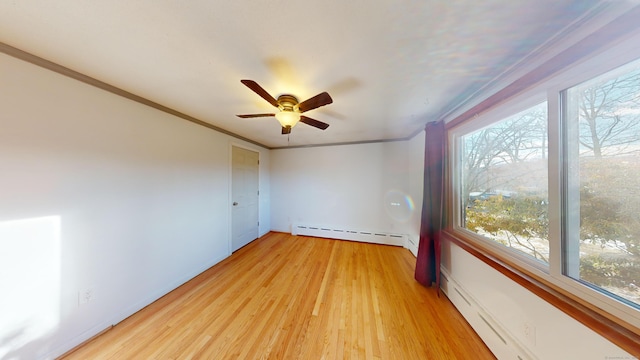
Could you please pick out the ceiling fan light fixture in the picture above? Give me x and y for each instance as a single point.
(289, 109)
(288, 118)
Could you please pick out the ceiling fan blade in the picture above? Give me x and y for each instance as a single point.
(313, 122)
(254, 115)
(286, 130)
(321, 99)
(260, 91)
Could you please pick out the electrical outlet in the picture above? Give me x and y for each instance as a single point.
(529, 332)
(85, 296)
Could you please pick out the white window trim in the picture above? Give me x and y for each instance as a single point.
(583, 70)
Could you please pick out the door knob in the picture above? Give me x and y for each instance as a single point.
(235, 203)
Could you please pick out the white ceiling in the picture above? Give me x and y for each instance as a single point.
(390, 65)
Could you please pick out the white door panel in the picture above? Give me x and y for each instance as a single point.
(244, 196)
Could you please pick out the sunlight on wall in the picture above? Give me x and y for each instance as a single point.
(29, 281)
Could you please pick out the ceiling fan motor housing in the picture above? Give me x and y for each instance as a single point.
(288, 102)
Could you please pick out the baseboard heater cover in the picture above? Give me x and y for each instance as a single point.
(341, 233)
(502, 344)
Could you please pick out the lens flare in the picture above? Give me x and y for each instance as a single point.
(399, 206)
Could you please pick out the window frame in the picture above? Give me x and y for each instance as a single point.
(590, 69)
(518, 104)
(612, 318)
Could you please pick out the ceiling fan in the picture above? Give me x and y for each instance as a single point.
(290, 110)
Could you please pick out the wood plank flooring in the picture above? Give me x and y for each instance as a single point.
(294, 297)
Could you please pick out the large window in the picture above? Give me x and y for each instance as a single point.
(549, 181)
(504, 182)
(603, 181)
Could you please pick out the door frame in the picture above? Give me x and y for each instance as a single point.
(233, 144)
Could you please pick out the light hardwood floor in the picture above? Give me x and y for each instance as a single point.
(293, 297)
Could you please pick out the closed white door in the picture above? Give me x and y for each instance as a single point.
(244, 193)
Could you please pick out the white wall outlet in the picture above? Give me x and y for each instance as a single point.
(529, 332)
(85, 296)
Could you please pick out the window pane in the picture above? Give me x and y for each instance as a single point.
(505, 184)
(604, 182)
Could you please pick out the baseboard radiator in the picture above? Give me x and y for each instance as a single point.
(499, 341)
(341, 233)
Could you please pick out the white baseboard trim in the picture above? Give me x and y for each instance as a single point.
(412, 245)
(341, 233)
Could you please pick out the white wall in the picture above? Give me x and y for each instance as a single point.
(362, 187)
(103, 194)
(264, 186)
(415, 158)
(508, 306)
